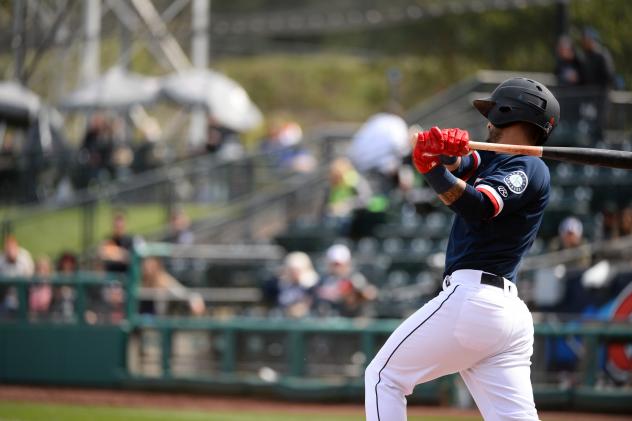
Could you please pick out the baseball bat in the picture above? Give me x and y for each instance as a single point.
(602, 157)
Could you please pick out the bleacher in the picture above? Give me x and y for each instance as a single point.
(403, 255)
(236, 346)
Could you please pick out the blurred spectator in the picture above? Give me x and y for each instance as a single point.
(283, 145)
(122, 159)
(551, 285)
(626, 221)
(291, 293)
(63, 302)
(41, 294)
(180, 228)
(67, 263)
(97, 148)
(378, 147)
(598, 72)
(570, 236)
(568, 66)
(115, 252)
(222, 141)
(155, 277)
(403, 200)
(610, 221)
(342, 290)
(148, 155)
(15, 261)
(598, 64)
(346, 192)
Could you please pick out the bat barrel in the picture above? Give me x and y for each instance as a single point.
(601, 157)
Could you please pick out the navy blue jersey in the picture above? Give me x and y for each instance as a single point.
(518, 188)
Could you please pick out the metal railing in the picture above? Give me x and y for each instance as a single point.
(213, 192)
(315, 358)
(618, 249)
(582, 108)
(80, 298)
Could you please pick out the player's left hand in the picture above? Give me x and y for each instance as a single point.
(452, 142)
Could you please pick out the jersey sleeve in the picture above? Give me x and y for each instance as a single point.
(468, 167)
(514, 184)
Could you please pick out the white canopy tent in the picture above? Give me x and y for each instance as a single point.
(115, 89)
(223, 98)
(18, 105)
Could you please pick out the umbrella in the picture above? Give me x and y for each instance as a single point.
(225, 100)
(18, 105)
(115, 89)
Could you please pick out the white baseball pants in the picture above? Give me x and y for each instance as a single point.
(480, 331)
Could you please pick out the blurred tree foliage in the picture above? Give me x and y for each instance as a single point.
(320, 87)
(518, 39)
(431, 54)
(342, 75)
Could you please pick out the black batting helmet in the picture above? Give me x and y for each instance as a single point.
(521, 99)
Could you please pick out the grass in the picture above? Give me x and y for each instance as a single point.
(25, 411)
(54, 232)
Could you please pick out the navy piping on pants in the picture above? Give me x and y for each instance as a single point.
(379, 376)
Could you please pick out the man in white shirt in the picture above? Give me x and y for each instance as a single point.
(15, 261)
(379, 146)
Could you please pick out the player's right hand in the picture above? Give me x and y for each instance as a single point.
(451, 142)
(456, 142)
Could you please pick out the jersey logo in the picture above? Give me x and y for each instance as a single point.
(516, 181)
(503, 191)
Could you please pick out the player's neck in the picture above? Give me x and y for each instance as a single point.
(514, 135)
(516, 141)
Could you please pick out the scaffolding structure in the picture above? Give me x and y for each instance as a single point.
(79, 39)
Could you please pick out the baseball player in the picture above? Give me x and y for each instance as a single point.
(477, 326)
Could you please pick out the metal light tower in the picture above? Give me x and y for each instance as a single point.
(200, 16)
(92, 31)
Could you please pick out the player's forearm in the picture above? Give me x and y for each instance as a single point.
(462, 198)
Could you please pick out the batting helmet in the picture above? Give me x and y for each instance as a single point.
(521, 99)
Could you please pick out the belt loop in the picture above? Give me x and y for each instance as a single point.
(510, 288)
(446, 282)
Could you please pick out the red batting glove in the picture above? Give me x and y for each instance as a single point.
(455, 142)
(451, 142)
(425, 163)
(430, 142)
(424, 157)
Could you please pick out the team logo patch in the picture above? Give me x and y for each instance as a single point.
(516, 181)
(503, 191)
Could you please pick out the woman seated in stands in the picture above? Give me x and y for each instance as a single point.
(291, 292)
(41, 294)
(343, 291)
(571, 236)
(155, 277)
